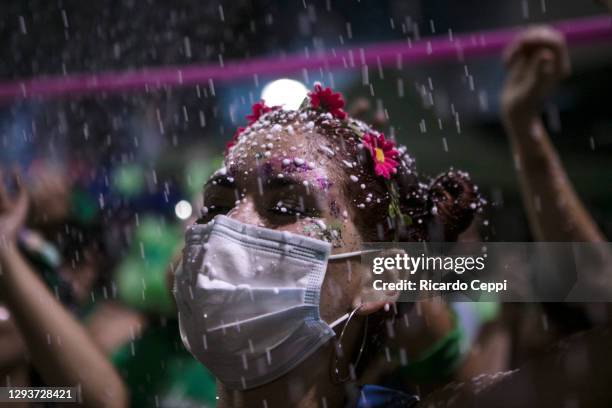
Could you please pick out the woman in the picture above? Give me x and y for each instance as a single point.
(258, 298)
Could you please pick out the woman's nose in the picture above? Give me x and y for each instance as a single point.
(245, 212)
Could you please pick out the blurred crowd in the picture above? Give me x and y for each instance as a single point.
(88, 258)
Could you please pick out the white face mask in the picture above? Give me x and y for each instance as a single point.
(248, 300)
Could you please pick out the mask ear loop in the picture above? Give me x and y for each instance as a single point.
(335, 371)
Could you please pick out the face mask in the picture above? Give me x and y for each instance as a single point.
(248, 300)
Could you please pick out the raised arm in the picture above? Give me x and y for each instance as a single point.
(61, 351)
(536, 61)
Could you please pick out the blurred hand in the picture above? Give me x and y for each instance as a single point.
(536, 61)
(49, 195)
(13, 210)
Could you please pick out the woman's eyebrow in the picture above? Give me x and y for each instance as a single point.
(219, 181)
(297, 185)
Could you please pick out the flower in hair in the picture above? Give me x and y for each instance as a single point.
(258, 109)
(383, 154)
(234, 139)
(327, 100)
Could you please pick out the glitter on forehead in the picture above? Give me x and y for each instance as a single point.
(258, 140)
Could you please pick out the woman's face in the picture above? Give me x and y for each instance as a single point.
(289, 181)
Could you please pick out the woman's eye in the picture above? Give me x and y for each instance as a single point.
(209, 212)
(286, 208)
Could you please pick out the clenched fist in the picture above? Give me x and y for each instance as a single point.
(535, 61)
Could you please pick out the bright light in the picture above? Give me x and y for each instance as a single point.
(4, 314)
(182, 209)
(284, 92)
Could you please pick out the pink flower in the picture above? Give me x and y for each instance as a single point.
(233, 140)
(383, 154)
(258, 109)
(327, 100)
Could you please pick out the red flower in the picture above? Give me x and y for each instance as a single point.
(258, 109)
(233, 140)
(383, 153)
(327, 100)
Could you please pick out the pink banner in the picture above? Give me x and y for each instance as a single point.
(429, 49)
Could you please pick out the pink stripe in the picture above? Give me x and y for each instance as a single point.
(430, 49)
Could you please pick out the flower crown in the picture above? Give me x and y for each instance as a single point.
(382, 151)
